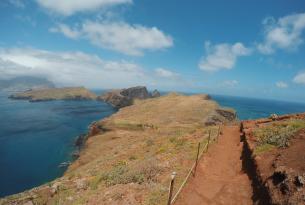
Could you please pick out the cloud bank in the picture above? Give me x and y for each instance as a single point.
(78, 68)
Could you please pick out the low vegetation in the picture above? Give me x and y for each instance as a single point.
(277, 134)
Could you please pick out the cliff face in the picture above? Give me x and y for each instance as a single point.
(73, 93)
(129, 156)
(125, 97)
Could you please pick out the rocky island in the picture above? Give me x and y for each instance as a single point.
(69, 93)
(125, 97)
(128, 157)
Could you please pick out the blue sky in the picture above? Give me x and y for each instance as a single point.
(242, 48)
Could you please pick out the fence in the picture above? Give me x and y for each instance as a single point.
(192, 171)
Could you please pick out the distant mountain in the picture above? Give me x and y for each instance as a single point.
(24, 83)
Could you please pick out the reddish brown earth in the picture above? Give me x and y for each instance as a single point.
(219, 177)
(282, 170)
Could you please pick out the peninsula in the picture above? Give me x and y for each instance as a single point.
(128, 157)
(69, 93)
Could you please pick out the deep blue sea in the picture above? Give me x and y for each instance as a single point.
(250, 108)
(35, 138)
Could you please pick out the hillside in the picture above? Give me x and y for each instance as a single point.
(128, 157)
(71, 93)
(24, 83)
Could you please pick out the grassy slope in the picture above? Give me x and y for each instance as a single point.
(131, 163)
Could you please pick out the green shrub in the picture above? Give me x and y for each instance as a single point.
(122, 174)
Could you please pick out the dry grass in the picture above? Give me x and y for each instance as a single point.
(57, 94)
(144, 144)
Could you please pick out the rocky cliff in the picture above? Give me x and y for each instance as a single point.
(71, 93)
(125, 97)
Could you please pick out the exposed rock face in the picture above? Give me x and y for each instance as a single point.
(125, 97)
(155, 94)
(73, 93)
(221, 115)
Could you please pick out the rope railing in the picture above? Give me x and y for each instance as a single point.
(171, 199)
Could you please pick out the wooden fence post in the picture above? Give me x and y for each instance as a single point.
(196, 162)
(171, 187)
(218, 132)
(209, 138)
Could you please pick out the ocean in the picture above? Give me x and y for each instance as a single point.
(251, 108)
(35, 138)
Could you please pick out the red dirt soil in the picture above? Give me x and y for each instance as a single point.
(219, 177)
(279, 169)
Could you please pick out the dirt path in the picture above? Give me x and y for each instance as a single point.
(219, 177)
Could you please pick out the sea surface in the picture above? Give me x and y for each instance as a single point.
(35, 138)
(251, 108)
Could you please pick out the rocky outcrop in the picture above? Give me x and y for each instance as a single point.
(124, 97)
(72, 93)
(155, 94)
(220, 116)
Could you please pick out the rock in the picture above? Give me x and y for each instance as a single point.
(124, 97)
(220, 116)
(229, 115)
(155, 94)
(274, 117)
(300, 181)
(139, 92)
(55, 187)
(28, 203)
(81, 184)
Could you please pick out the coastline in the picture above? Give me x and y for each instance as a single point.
(117, 128)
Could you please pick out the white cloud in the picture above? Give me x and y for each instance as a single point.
(119, 36)
(281, 84)
(230, 83)
(69, 7)
(285, 33)
(300, 78)
(164, 73)
(66, 30)
(222, 56)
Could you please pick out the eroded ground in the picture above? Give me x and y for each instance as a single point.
(279, 154)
